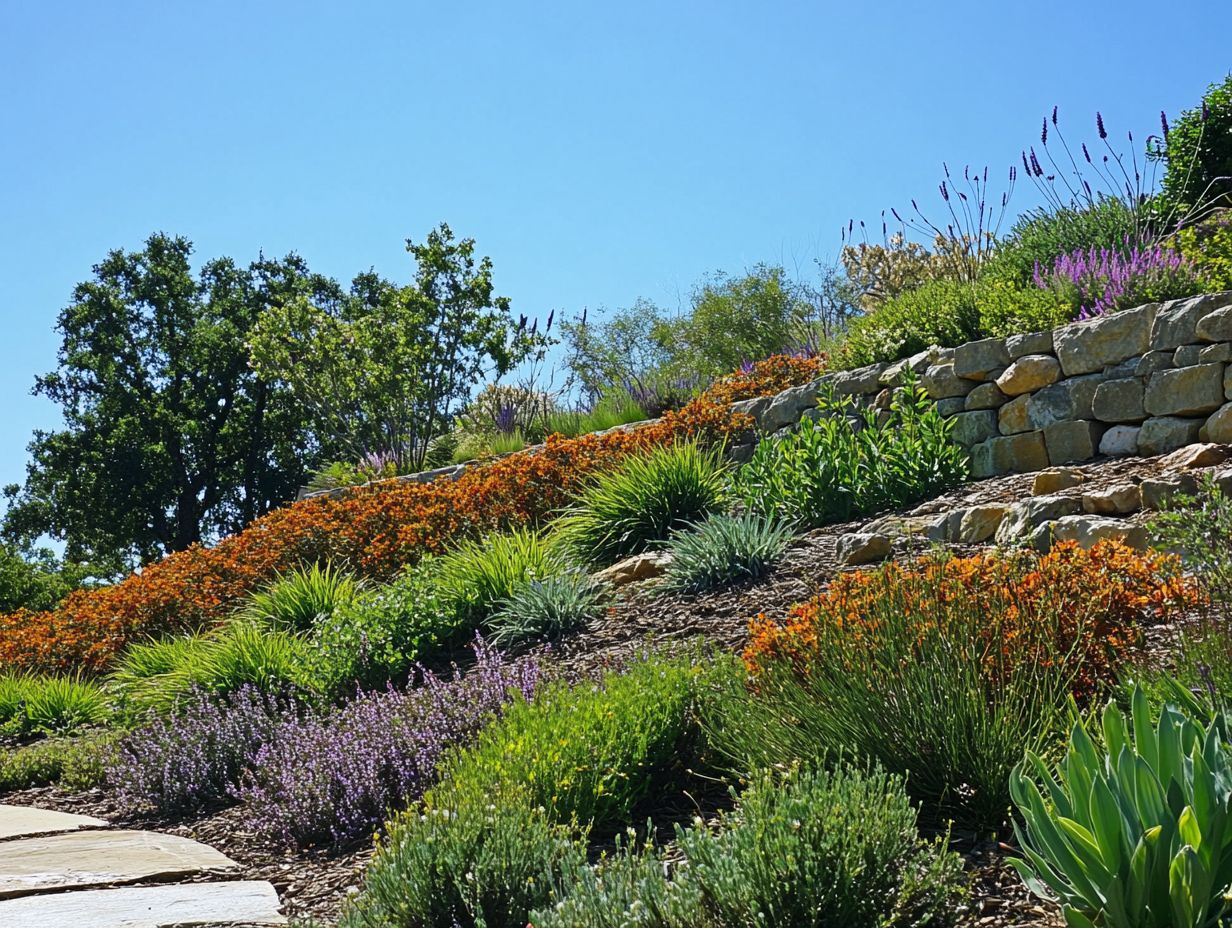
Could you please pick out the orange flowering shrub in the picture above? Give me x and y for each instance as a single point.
(376, 530)
(1017, 610)
(765, 378)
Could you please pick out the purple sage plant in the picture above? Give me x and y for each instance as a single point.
(332, 779)
(1107, 279)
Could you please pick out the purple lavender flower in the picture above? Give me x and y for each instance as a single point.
(1108, 279)
(1163, 122)
(1099, 124)
(1044, 133)
(506, 419)
(334, 778)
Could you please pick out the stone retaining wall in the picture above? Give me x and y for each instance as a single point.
(1141, 381)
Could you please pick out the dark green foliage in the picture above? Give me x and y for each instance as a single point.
(35, 579)
(50, 705)
(302, 598)
(724, 549)
(470, 864)
(380, 636)
(549, 607)
(169, 436)
(1199, 151)
(830, 470)
(813, 850)
(642, 502)
(74, 763)
(941, 312)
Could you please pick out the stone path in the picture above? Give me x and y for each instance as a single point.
(61, 870)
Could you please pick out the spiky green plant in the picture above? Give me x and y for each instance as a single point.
(548, 607)
(298, 599)
(724, 549)
(642, 502)
(477, 575)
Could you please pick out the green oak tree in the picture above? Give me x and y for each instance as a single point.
(385, 368)
(169, 437)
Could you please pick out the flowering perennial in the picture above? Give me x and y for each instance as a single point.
(1108, 279)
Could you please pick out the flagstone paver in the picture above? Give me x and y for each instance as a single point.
(235, 903)
(18, 821)
(86, 859)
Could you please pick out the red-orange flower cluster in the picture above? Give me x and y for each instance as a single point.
(1012, 608)
(376, 530)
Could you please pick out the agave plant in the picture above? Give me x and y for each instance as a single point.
(1136, 835)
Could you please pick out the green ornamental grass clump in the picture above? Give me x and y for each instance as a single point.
(642, 502)
(724, 549)
(833, 469)
(477, 576)
(302, 597)
(32, 704)
(814, 849)
(548, 608)
(1135, 832)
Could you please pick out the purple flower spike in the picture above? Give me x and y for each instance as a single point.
(1054, 115)
(1044, 133)
(1086, 154)
(1163, 121)
(1099, 124)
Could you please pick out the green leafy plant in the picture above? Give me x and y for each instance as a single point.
(831, 469)
(583, 752)
(474, 863)
(477, 576)
(549, 607)
(642, 502)
(32, 704)
(723, 549)
(1137, 834)
(383, 632)
(300, 598)
(939, 312)
(1198, 151)
(813, 849)
(75, 763)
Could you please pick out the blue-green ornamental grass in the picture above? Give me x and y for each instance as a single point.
(548, 608)
(724, 549)
(1136, 833)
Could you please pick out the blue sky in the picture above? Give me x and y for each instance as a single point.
(597, 152)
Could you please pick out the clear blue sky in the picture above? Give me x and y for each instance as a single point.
(598, 152)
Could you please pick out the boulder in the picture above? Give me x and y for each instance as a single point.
(1032, 343)
(1055, 479)
(785, 408)
(1195, 456)
(1087, 530)
(644, 566)
(1216, 354)
(1120, 440)
(1186, 355)
(1019, 454)
(1176, 322)
(1119, 400)
(940, 382)
(975, 360)
(1151, 362)
(1216, 326)
(860, 380)
(1073, 398)
(1013, 417)
(971, 428)
(1120, 500)
(1167, 433)
(1227, 383)
(979, 523)
(1076, 440)
(1218, 426)
(1086, 347)
(951, 405)
(1025, 516)
(1158, 492)
(985, 396)
(927, 526)
(918, 363)
(862, 548)
(1028, 374)
(1186, 391)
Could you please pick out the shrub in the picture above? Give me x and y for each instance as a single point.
(49, 705)
(241, 655)
(377, 530)
(479, 575)
(74, 763)
(1109, 279)
(1008, 308)
(813, 850)
(379, 637)
(1199, 151)
(766, 378)
(586, 753)
(153, 674)
(475, 864)
(830, 470)
(192, 757)
(1208, 246)
(944, 671)
(549, 607)
(723, 549)
(1137, 833)
(333, 778)
(301, 598)
(640, 503)
(940, 312)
